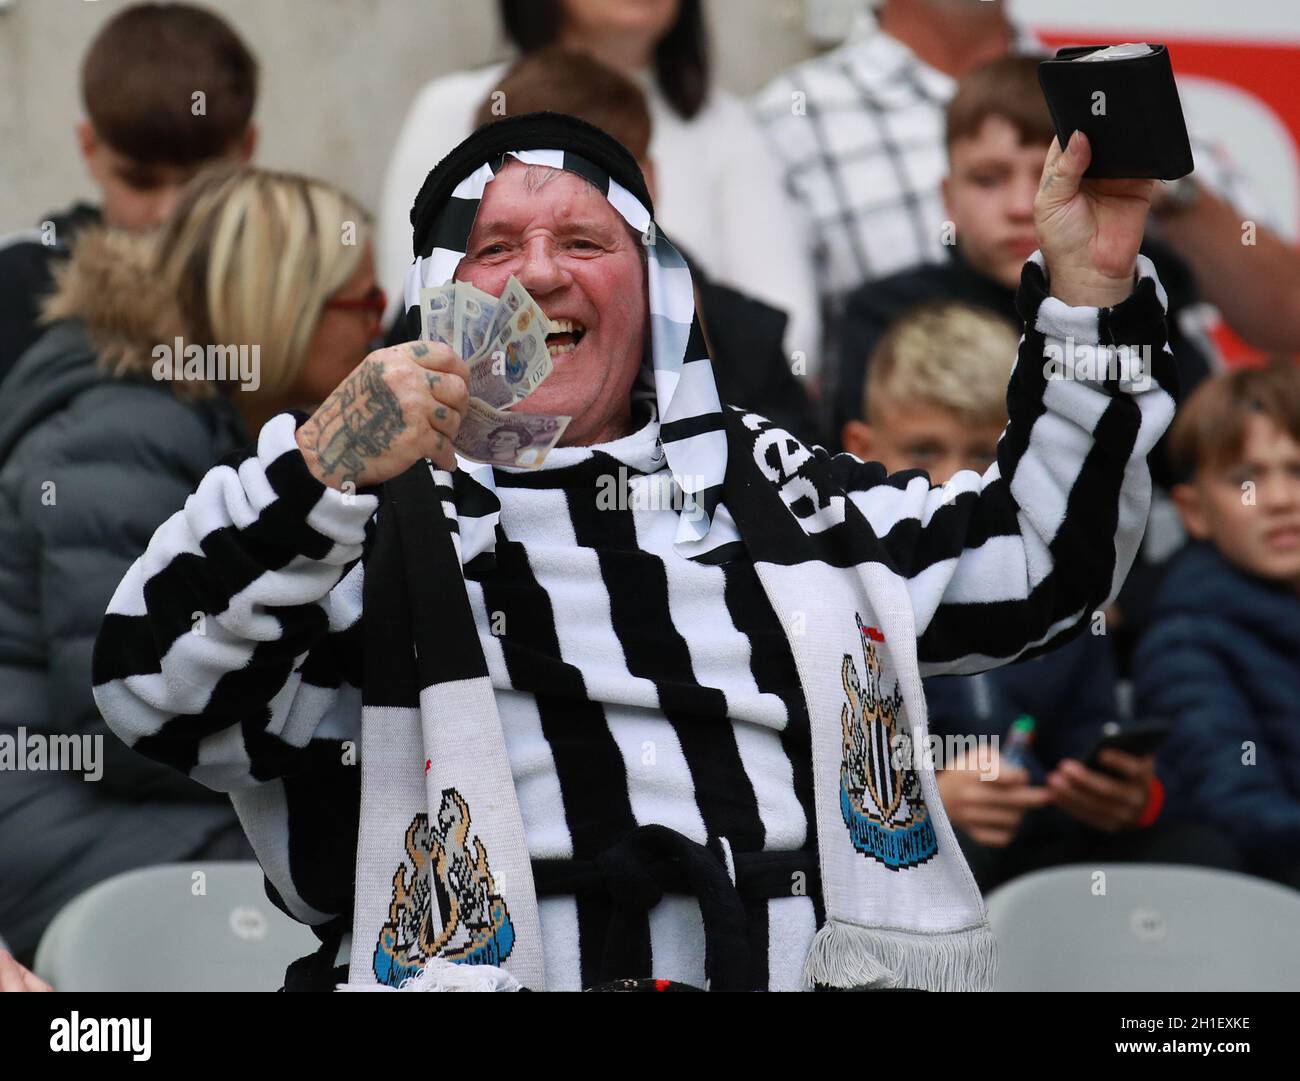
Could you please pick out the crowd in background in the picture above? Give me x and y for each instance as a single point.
(856, 235)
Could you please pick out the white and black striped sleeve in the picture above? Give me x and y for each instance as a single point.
(999, 565)
(225, 646)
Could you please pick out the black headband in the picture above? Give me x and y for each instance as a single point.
(530, 131)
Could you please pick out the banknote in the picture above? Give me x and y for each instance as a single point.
(473, 319)
(504, 341)
(501, 438)
(512, 298)
(438, 314)
(514, 360)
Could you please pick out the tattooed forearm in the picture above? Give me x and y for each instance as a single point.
(358, 422)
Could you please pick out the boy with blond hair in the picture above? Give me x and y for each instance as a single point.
(936, 391)
(1221, 658)
(936, 401)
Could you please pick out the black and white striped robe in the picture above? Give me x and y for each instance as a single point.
(632, 688)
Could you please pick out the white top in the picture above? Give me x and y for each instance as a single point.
(719, 194)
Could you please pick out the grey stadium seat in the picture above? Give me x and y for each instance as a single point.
(1155, 928)
(153, 930)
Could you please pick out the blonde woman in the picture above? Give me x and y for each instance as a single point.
(165, 354)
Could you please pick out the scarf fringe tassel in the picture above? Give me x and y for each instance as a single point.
(846, 955)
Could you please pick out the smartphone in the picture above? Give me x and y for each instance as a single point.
(1136, 739)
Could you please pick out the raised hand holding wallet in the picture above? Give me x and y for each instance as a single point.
(1124, 98)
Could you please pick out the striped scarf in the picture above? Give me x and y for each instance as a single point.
(445, 894)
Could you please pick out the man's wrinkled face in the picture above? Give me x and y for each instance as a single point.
(581, 262)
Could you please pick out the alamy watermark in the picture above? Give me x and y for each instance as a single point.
(130, 1035)
(1090, 362)
(978, 753)
(177, 361)
(625, 491)
(40, 751)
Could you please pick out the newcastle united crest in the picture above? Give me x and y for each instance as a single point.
(449, 870)
(880, 794)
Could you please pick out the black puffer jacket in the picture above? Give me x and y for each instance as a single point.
(90, 466)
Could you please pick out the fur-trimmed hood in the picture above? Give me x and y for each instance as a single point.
(110, 286)
(108, 313)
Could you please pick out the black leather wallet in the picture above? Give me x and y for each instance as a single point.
(1128, 108)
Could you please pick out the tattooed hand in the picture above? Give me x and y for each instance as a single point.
(399, 405)
(1089, 230)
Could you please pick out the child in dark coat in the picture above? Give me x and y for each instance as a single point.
(1222, 655)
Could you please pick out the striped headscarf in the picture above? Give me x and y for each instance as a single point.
(676, 372)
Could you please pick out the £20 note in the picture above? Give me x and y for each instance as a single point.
(501, 438)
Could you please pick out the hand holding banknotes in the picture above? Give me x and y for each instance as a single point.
(397, 407)
(503, 339)
(421, 399)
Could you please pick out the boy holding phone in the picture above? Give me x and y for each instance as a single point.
(1221, 659)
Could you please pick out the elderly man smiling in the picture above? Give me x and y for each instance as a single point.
(485, 729)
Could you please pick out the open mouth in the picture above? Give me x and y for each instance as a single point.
(564, 337)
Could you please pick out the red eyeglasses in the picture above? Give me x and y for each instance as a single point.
(374, 302)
